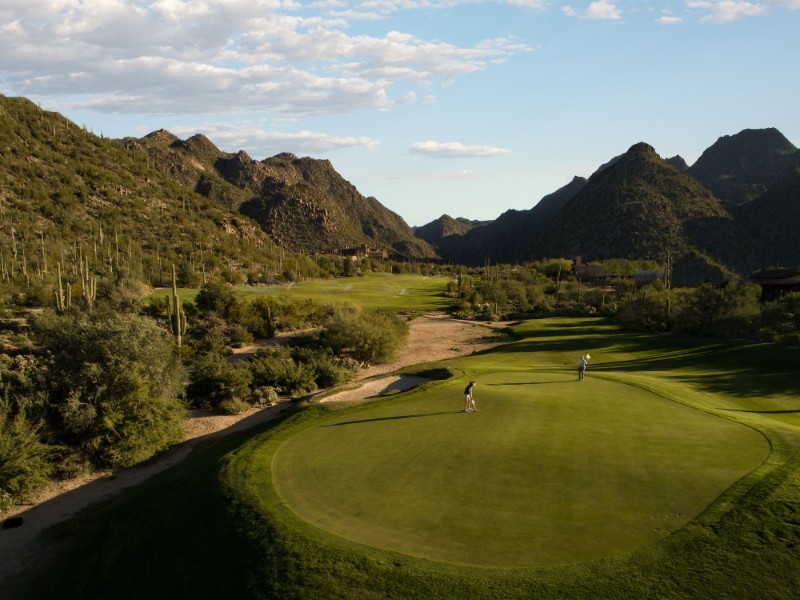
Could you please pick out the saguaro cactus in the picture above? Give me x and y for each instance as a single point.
(270, 324)
(175, 315)
(63, 301)
(88, 285)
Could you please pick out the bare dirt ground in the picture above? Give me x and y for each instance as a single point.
(431, 337)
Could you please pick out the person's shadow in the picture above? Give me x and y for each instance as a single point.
(398, 417)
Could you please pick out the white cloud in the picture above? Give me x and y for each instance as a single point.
(599, 10)
(668, 20)
(532, 4)
(211, 56)
(455, 150)
(462, 174)
(726, 11)
(264, 142)
(787, 4)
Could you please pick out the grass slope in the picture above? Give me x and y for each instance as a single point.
(218, 522)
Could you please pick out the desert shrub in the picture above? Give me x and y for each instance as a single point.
(34, 295)
(233, 406)
(208, 335)
(780, 320)
(110, 386)
(329, 370)
(285, 313)
(729, 311)
(217, 383)
(265, 395)
(646, 309)
(374, 337)
(18, 374)
(594, 298)
(24, 459)
(216, 297)
(239, 336)
(275, 367)
(258, 317)
(123, 293)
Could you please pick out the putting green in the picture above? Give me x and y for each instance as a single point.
(550, 471)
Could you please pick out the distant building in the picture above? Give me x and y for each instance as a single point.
(776, 282)
(588, 274)
(357, 253)
(643, 278)
(594, 274)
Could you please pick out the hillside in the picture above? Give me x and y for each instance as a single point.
(66, 193)
(302, 203)
(774, 220)
(739, 168)
(437, 232)
(636, 206)
(512, 237)
(642, 207)
(137, 205)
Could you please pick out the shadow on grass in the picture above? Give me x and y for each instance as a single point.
(559, 382)
(737, 368)
(763, 412)
(445, 412)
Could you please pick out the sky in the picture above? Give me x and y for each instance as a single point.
(460, 107)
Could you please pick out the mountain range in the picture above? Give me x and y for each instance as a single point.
(301, 203)
(640, 206)
(735, 209)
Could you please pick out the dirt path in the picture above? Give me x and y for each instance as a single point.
(431, 337)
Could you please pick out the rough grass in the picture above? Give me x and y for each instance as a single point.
(217, 527)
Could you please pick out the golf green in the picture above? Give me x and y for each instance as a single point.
(549, 471)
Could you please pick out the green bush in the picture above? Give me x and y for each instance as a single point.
(329, 370)
(217, 383)
(265, 395)
(216, 297)
(266, 315)
(645, 310)
(110, 386)
(729, 311)
(238, 336)
(277, 368)
(780, 320)
(233, 406)
(24, 459)
(374, 337)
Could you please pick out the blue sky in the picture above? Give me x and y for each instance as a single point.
(463, 107)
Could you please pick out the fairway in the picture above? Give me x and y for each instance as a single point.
(550, 471)
(372, 291)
